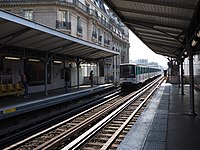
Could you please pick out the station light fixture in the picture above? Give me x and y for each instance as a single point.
(185, 53)
(12, 58)
(34, 60)
(194, 43)
(57, 62)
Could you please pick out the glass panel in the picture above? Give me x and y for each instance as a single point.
(28, 14)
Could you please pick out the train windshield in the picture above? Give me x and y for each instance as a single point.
(127, 71)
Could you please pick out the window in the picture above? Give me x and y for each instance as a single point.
(63, 20)
(63, 16)
(96, 13)
(99, 35)
(78, 21)
(28, 14)
(79, 28)
(94, 33)
(94, 28)
(87, 7)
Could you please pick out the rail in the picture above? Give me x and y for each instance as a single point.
(88, 134)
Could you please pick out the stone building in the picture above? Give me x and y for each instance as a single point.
(89, 20)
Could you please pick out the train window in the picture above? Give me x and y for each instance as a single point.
(137, 70)
(127, 71)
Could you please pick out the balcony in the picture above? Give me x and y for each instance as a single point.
(63, 25)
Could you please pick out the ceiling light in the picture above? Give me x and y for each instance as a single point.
(35, 60)
(194, 43)
(57, 62)
(185, 53)
(12, 58)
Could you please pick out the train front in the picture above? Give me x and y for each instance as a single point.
(127, 77)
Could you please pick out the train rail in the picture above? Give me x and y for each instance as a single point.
(110, 131)
(65, 132)
(21, 125)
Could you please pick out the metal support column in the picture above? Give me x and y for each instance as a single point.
(45, 74)
(97, 72)
(178, 70)
(192, 108)
(77, 65)
(182, 73)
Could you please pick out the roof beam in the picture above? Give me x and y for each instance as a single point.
(150, 31)
(162, 3)
(39, 41)
(160, 40)
(80, 51)
(16, 34)
(158, 43)
(185, 18)
(151, 25)
(44, 46)
(157, 36)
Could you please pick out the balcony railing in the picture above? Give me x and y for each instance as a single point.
(101, 21)
(63, 25)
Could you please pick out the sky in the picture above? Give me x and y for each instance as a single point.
(138, 50)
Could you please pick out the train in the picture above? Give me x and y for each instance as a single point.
(133, 75)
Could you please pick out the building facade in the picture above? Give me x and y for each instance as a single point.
(89, 20)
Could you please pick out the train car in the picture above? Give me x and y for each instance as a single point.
(133, 75)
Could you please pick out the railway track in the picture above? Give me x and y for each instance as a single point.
(65, 132)
(109, 133)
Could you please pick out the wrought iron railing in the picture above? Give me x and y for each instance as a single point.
(63, 25)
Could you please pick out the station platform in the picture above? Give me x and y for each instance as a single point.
(166, 124)
(10, 104)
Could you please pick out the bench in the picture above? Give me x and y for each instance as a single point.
(11, 89)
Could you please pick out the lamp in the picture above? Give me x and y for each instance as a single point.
(194, 43)
(57, 62)
(12, 58)
(35, 60)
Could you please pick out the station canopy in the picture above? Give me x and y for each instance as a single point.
(165, 26)
(17, 31)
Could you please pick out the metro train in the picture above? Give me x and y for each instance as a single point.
(134, 75)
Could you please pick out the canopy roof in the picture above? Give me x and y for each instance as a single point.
(165, 26)
(17, 31)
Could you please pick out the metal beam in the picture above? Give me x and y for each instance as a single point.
(151, 24)
(160, 40)
(162, 3)
(165, 30)
(158, 36)
(150, 13)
